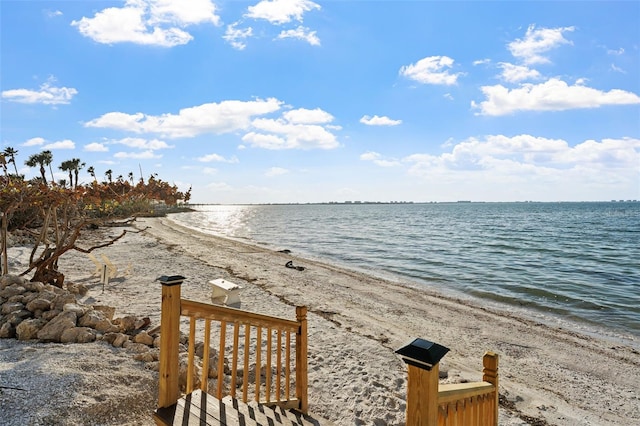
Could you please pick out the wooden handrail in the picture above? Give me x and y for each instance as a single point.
(458, 391)
(173, 307)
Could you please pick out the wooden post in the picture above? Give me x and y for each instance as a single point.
(490, 374)
(301, 360)
(168, 390)
(422, 396)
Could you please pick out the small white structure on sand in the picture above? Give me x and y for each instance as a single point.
(224, 292)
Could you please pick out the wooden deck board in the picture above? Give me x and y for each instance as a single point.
(201, 409)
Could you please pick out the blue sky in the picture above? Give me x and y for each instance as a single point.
(302, 101)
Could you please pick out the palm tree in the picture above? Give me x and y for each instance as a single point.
(11, 153)
(38, 160)
(48, 159)
(67, 166)
(92, 172)
(76, 165)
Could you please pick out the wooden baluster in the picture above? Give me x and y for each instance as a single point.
(204, 381)
(287, 373)
(268, 366)
(258, 360)
(278, 364)
(223, 338)
(192, 345)
(234, 365)
(245, 376)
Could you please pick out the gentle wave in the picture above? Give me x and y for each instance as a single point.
(567, 261)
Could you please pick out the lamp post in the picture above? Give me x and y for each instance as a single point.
(422, 357)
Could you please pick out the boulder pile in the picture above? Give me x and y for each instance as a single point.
(45, 313)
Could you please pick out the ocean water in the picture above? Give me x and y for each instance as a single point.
(576, 264)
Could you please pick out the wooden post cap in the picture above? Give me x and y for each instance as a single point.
(170, 280)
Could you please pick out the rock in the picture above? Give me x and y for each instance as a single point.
(49, 315)
(108, 311)
(144, 357)
(34, 286)
(91, 318)
(137, 348)
(10, 307)
(12, 290)
(7, 331)
(142, 323)
(120, 340)
(80, 289)
(16, 317)
(62, 299)
(74, 307)
(28, 329)
(78, 335)
(8, 280)
(53, 330)
(127, 324)
(17, 298)
(39, 304)
(153, 366)
(144, 338)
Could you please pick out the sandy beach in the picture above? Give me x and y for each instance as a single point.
(547, 375)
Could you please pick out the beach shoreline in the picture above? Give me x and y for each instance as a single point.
(356, 321)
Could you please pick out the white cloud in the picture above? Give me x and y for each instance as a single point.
(48, 94)
(209, 171)
(301, 33)
(209, 158)
(617, 69)
(235, 37)
(379, 121)
(538, 41)
(142, 143)
(526, 164)
(219, 186)
(481, 62)
(431, 70)
(143, 155)
(516, 73)
(307, 116)
(281, 11)
(284, 134)
(53, 13)
(148, 22)
(297, 129)
(276, 171)
(218, 118)
(64, 144)
(34, 142)
(617, 52)
(95, 147)
(552, 95)
(377, 159)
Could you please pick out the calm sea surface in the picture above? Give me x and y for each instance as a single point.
(577, 264)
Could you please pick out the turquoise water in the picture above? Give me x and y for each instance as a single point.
(573, 263)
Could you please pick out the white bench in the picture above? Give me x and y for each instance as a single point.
(225, 293)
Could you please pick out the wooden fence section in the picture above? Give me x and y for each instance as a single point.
(252, 343)
(471, 404)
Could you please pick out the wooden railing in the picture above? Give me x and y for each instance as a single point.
(465, 404)
(471, 404)
(247, 339)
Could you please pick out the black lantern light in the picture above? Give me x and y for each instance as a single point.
(422, 353)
